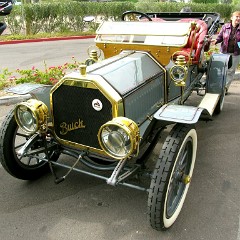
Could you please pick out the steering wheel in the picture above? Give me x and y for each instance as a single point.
(134, 16)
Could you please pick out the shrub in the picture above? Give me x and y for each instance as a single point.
(5, 79)
(223, 9)
(50, 75)
(69, 16)
(15, 20)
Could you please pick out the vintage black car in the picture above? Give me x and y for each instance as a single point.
(112, 113)
(5, 9)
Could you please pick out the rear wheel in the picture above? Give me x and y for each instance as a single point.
(171, 176)
(11, 140)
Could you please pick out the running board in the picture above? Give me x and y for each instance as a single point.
(209, 102)
(173, 113)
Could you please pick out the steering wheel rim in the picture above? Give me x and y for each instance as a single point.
(135, 12)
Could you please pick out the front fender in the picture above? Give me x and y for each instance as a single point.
(38, 91)
(172, 113)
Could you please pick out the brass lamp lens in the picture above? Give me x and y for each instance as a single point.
(31, 116)
(27, 121)
(116, 141)
(119, 138)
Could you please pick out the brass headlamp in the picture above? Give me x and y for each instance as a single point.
(119, 138)
(178, 72)
(31, 116)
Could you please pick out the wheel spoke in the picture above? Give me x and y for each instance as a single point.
(176, 187)
(183, 161)
(29, 160)
(183, 166)
(173, 192)
(18, 146)
(32, 160)
(21, 135)
(186, 156)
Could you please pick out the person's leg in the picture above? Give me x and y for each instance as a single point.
(231, 71)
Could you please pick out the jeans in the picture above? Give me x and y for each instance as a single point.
(231, 71)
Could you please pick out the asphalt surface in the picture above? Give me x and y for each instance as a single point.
(87, 208)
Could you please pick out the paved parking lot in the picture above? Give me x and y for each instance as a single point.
(85, 208)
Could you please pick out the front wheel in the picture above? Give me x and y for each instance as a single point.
(28, 167)
(171, 176)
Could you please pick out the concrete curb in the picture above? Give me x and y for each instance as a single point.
(45, 39)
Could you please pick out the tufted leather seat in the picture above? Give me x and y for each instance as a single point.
(199, 38)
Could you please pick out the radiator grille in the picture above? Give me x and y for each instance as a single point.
(73, 104)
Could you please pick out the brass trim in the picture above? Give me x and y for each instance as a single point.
(130, 128)
(40, 112)
(94, 82)
(80, 146)
(179, 82)
(162, 58)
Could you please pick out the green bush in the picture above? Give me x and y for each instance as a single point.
(5, 78)
(68, 16)
(50, 75)
(15, 20)
(223, 9)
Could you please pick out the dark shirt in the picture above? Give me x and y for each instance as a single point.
(232, 39)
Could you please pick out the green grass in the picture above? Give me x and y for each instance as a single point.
(44, 35)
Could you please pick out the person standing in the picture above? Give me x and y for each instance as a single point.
(229, 37)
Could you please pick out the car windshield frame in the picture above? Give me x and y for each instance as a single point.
(149, 33)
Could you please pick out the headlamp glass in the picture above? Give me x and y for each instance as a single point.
(178, 73)
(31, 116)
(119, 137)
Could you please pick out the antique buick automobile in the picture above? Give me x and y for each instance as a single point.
(114, 111)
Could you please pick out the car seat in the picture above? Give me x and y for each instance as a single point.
(196, 39)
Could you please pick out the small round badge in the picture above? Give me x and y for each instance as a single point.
(97, 104)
